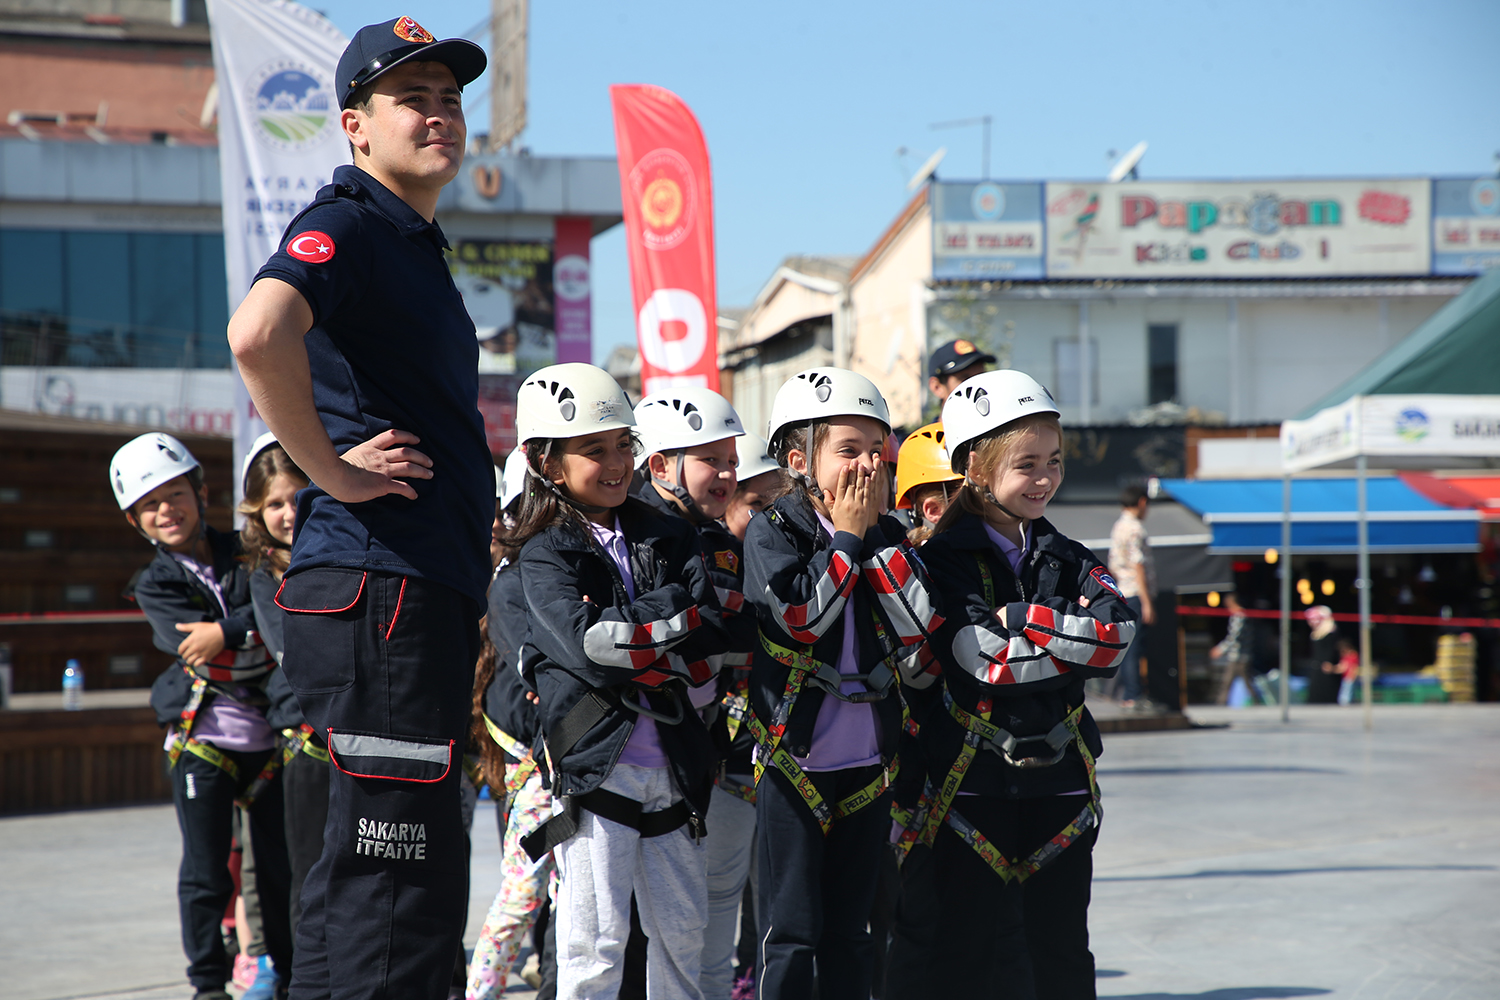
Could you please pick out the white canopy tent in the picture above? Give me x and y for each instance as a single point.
(1402, 431)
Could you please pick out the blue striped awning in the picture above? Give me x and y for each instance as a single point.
(1245, 516)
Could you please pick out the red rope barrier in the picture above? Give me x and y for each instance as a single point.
(1185, 609)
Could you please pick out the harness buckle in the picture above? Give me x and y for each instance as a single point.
(1027, 763)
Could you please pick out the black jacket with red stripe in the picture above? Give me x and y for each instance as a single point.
(799, 580)
(584, 632)
(1032, 671)
(724, 555)
(170, 594)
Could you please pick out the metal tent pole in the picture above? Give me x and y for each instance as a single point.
(1286, 597)
(1363, 583)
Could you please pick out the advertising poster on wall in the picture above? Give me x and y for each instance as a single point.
(986, 230)
(507, 288)
(1465, 225)
(1254, 229)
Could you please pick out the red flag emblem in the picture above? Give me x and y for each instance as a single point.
(311, 246)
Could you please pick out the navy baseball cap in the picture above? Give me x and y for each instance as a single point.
(376, 48)
(955, 356)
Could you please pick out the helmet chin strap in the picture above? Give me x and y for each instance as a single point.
(806, 478)
(689, 505)
(989, 498)
(577, 505)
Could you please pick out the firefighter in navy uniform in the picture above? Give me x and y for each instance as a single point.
(358, 353)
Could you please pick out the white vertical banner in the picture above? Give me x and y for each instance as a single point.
(279, 140)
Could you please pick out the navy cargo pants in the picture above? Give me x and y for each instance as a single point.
(383, 666)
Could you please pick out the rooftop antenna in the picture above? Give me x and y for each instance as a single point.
(1126, 168)
(984, 155)
(927, 169)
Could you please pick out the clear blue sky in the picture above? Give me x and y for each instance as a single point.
(805, 104)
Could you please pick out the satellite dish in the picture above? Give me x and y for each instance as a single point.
(926, 170)
(1126, 167)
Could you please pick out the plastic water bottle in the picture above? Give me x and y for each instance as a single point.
(73, 686)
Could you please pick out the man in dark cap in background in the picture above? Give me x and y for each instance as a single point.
(951, 364)
(354, 332)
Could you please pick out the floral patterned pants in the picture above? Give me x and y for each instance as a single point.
(522, 889)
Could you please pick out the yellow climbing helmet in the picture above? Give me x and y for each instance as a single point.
(922, 459)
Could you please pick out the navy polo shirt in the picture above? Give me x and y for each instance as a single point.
(391, 346)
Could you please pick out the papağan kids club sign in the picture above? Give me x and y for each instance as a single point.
(1257, 229)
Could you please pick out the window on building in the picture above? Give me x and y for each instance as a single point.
(95, 299)
(1066, 388)
(1161, 362)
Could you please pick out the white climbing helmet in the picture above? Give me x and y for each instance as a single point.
(146, 462)
(755, 457)
(684, 417)
(986, 403)
(261, 444)
(512, 478)
(824, 393)
(564, 401)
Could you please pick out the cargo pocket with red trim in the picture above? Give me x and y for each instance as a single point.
(397, 801)
(326, 611)
(393, 758)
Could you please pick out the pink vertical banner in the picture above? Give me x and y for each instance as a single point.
(571, 289)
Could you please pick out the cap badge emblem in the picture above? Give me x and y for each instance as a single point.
(411, 31)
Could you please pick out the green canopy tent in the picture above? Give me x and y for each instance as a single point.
(1457, 351)
(1433, 398)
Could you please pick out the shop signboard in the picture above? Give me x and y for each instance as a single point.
(1230, 229)
(1418, 429)
(1465, 225)
(508, 289)
(986, 230)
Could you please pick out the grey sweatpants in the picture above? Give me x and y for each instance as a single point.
(599, 867)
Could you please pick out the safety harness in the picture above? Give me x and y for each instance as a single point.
(517, 776)
(935, 806)
(804, 669)
(736, 708)
(182, 741)
(582, 717)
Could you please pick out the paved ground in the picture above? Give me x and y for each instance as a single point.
(1249, 863)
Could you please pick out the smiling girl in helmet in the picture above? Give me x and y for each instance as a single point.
(1031, 615)
(621, 619)
(196, 595)
(840, 596)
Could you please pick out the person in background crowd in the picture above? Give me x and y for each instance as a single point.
(1325, 673)
(354, 329)
(924, 481)
(690, 455)
(1232, 654)
(509, 725)
(621, 621)
(951, 364)
(1133, 566)
(759, 477)
(1012, 805)
(271, 481)
(840, 596)
(196, 595)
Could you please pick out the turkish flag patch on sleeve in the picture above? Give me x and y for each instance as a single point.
(311, 246)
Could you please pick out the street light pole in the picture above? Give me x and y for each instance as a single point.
(1284, 681)
(1365, 667)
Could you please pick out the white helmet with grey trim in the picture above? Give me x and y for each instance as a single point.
(986, 403)
(755, 457)
(512, 478)
(261, 444)
(144, 463)
(684, 417)
(567, 400)
(822, 394)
